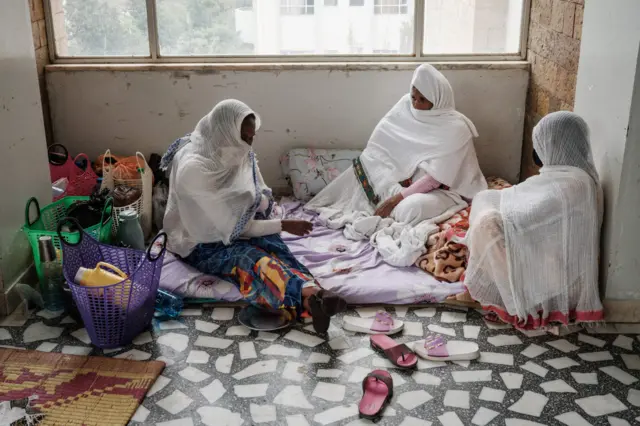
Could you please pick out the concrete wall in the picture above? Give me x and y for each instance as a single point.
(23, 163)
(607, 81)
(554, 50)
(327, 106)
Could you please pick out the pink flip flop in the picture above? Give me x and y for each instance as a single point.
(435, 348)
(398, 354)
(381, 323)
(378, 391)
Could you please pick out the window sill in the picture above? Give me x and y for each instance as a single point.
(310, 66)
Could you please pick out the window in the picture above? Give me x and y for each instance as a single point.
(297, 7)
(390, 7)
(286, 30)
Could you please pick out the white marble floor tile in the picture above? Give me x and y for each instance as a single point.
(194, 375)
(175, 403)
(160, 383)
(212, 342)
(600, 405)
(267, 336)
(224, 363)
(222, 314)
(533, 351)
(77, 350)
(257, 368)
(303, 338)
(413, 329)
(251, 391)
(585, 378)
(184, 421)
(336, 414)
(171, 325)
(329, 391)
(297, 420)
(450, 419)
(294, 371)
(39, 331)
(558, 386)
(46, 314)
(197, 357)
(561, 363)
(442, 330)
(368, 312)
(111, 350)
(624, 342)
(414, 421)
(247, 350)
(216, 416)
(4, 334)
(425, 364)
(191, 312)
(177, 342)
(331, 374)
(504, 340)
(615, 421)
(457, 399)
(143, 338)
(484, 416)
(464, 364)
(66, 320)
(496, 358)
(452, 317)
(632, 362)
(358, 374)
(633, 397)
(293, 396)
(356, 355)
(471, 376)
(318, 358)
(492, 395)
(413, 399)
(572, 418)
(563, 345)
(398, 380)
(237, 330)
(426, 379)
(280, 350)
(530, 404)
(532, 333)
(425, 312)
(141, 414)
(206, 326)
(619, 374)
(401, 311)
(594, 341)
(46, 347)
(339, 343)
(167, 361)
(213, 391)
(534, 368)
(497, 326)
(521, 422)
(512, 380)
(135, 355)
(471, 331)
(263, 413)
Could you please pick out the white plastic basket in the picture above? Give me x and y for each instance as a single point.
(144, 204)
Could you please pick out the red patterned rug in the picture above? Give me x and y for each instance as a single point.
(76, 390)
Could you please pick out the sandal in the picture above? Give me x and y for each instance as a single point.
(377, 390)
(399, 355)
(435, 348)
(325, 304)
(382, 323)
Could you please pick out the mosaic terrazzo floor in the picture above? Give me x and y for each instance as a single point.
(219, 373)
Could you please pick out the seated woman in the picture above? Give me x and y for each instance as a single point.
(218, 217)
(420, 147)
(534, 247)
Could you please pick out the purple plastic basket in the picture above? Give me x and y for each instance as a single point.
(115, 314)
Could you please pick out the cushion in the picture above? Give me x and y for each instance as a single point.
(309, 170)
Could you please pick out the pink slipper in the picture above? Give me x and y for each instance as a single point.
(382, 323)
(398, 354)
(435, 348)
(378, 391)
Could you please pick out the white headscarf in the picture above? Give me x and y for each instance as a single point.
(551, 229)
(215, 183)
(439, 139)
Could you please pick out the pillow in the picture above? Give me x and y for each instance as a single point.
(309, 170)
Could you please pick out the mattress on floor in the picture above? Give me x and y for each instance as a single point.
(352, 269)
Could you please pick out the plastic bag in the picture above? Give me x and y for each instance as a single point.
(160, 196)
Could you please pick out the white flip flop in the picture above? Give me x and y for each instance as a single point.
(381, 323)
(435, 348)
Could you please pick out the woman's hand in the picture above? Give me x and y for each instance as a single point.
(387, 207)
(297, 227)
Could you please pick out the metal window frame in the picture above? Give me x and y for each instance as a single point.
(418, 55)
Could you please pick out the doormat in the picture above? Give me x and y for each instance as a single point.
(76, 390)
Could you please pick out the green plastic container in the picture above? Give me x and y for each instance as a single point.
(46, 224)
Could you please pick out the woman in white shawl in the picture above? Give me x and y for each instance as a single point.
(534, 247)
(418, 164)
(219, 217)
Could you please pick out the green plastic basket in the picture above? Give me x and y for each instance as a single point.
(46, 224)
